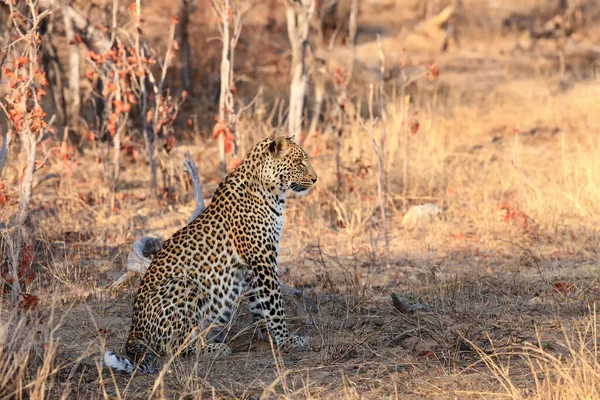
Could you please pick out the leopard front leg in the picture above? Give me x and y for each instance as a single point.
(266, 303)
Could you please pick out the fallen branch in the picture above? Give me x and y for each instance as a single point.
(192, 169)
(405, 308)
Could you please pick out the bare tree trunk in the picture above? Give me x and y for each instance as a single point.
(319, 87)
(227, 113)
(147, 129)
(74, 78)
(187, 7)
(54, 73)
(352, 29)
(224, 78)
(4, 150)
(299, 14)
(29, 148)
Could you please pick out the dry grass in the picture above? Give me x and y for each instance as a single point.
(508, 275)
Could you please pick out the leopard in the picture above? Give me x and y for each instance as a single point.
(227, 255)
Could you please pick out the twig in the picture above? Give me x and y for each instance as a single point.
(381, 172)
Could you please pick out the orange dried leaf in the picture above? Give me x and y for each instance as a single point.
(40, 93)
(21, 61)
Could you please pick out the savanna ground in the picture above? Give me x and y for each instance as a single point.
(505, 141)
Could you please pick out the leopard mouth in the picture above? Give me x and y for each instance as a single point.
(300, 188)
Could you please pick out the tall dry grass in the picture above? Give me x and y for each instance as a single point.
(569, 369)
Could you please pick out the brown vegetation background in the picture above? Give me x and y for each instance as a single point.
(457, 145)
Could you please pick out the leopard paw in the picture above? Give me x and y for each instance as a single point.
(216, 350)
(295, 342)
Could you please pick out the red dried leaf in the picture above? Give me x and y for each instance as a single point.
(414, 127)
(29, 302)
(434, 70)
(564, 287)
(170, 142)
(175, 19)
(459, 236)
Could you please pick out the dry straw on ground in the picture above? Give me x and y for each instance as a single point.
(498, 129)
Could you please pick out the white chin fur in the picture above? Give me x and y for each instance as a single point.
(302, 193)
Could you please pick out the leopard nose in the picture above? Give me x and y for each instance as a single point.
(314, 179)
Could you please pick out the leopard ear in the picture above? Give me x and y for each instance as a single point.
(278, 146)
(290, 139)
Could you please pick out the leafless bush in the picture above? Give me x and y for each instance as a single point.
(129, 82)
(26, 117)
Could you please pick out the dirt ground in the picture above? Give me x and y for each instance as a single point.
(504, 280)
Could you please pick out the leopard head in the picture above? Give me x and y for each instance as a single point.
(289, 166)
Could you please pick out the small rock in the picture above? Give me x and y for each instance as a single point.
(535, 301)
(420, 215)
